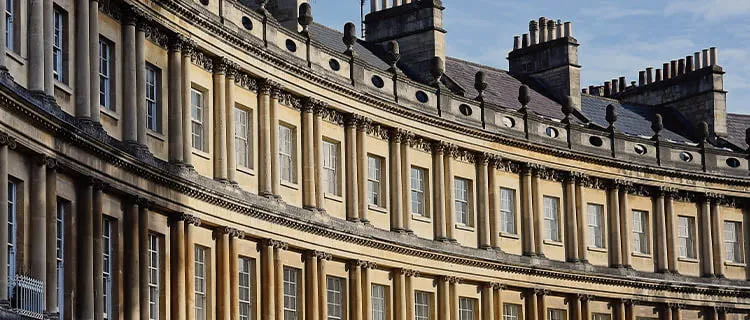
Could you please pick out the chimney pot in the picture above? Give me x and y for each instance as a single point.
(641, 78)
(525, 41)
(697, 56)
(649, 75)
(705, 58)
(689, 66)
(607, 88)
(551, 35)
(534, 32)
(681, 67)
(665, 71)
(658, 75)
(542, 31)
(592, 89)
(568, 29)
(672, 69)
(623, 83)
(559, 30)
(585, 91)
(714, 56)
(516, 42)
(615, 86)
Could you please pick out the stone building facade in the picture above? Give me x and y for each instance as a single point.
(227, 159)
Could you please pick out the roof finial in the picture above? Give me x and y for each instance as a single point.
(350, 37)
(657, 125)
(480, 84)
(523, 97)
(704, 131)
(305, 17)
(394, 54)
(611, 116)
(747, 139)
(437, 68)
(567, 108)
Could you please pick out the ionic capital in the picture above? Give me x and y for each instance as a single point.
(189, 219)
(270, 87)
(408, 272)
(541, 292)
(7, 140)
(275, 244)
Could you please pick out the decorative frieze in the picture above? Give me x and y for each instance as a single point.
(246, 81)
(202, 60)
(275, 244)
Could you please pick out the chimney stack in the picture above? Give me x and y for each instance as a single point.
(534, 32)
(681, 67)
(666, 73)
(689, 67)
(623, 84)
(672, 69)
(658, 75)
(286, 12)
(697, 56)
(714, 56)
(649, 75)
(542, 30)
(641, 78)
(705, 58)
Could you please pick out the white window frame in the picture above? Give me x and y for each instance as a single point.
(733, 242)
(245, 267)
(422, 305)
(596, 225)
(335, 297)
(105, 74)
(154, 276)
(462, 199)
(379, 302)
(418, 191)
(508, 211)
(291, 293)
(201, 282)
(287, 153)
(12, 229)
(153, 107)
(375, 181)
(556, 314)
(10, 30)
(59, 25)
(242, 142)
(331, 162)
(466, 308)
(686, 236)
(107, 256)
(640, 232)
(512, 311)
(197, 119)
(601, 316)
(552, 218)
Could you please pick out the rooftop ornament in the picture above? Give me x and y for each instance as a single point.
(350, 37)
(480, 84)
(305, 17)
(437, 69)
(657, 126)
(611, 117)
(394, 54)
(524, 99)
(747, 139)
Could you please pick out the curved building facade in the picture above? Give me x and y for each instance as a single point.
(227, 159)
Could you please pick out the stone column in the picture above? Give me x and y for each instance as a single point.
(396, 186)
(666, 312)
(318, 110)
(406, 144)
(626, 227)
(454, 281)
(538, 209)
(50, 293)
(85, 267)
(585, 310)
(532, 308)
(178, 275)
(275, 167)
(82, 61)
(671, 219)
(38, 206)
(483, 205)
(355, 293)
(36, 46)
(488, 310)
(231, 75)
(571, 214)
(498, 294)
(264, 139)
(132, 263)
(143, 212)
(410, 293)
(615, 244)
(443, 298)
(367, 290)
(140, 80)
(399, 291)
(581, 220)
(268, 288)
(494, 202)
(620, 309)
(3, 52)
(438, 201)
(224, 292)
(575, 306)
(629, 309)
(449, 209)
(235, 236)
(350, 161)
(541, 303)
(186, 84)
(323, 259)
(129, 80)
(49, 78)
(660, 236)
(676, 312)
(362, 167)
(705, 236)
(98, 221)
(308, 155)
(527, 212)
(278, 272)
(190, 226)
(311, 285)
(174, 80)
(93, 58)
(220, 120)
(717, 238)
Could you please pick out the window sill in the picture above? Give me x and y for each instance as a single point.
(687, 260)
(246, 170)
(420, 218)
(156, 135)
(641, 255)
(377, 208)
(597, 249)
(201, 154)
(109, 113)
(15, 56)
(290, 185)
(735, 264)
(510, 235)
(464, 227)
(63, 87)
(333, 197)
(553, 243)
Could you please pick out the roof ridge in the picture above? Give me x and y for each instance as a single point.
(476, 64)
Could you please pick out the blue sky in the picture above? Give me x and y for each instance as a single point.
(617, 37)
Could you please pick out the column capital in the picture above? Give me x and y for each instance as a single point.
(584, 297)
(232, 232)
(7, 140)
(674, 306)
(189, 219)
(180, 42)
(497, 161)
(360, 264)
(144, 203)
(450, 279)
(310, 104)
(541, 291)
(275, 244)
(712, 197)
(666, 191)
(530, 168)
(408, 272)
(629, 301)
(131, 14)
(440, 147)
(398, 135)
(619, 184)
(269, 86)
(483, 158)
(98, 184)
(320, 255)
(222, 65)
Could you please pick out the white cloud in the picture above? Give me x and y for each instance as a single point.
(711, 10)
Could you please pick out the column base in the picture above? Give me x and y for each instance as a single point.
(266, 194)
(399, 230)
(355, 220)
(221, 180)
(721, 276)
(364, 221)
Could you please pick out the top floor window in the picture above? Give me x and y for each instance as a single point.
(154, 277)
(418, 191)
(201, 283)
(374, 179)
(287, 156)
(245, 270)
(12, 208)
(153, 109)
(378, 302)
(197, 114)
(640, 234)
(335, 300)
(686, 235)
(466, 309)
(242, 137)
(422, 306)
(58, 41)
(331, 167)
(596, 225)
(107, 246)
(10, 25)
(511, 311)
(290, 293)
(508, 210)
(463, 205)
(106, 49)
(551, 218)
(733, 241)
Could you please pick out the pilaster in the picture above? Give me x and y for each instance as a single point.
(352, 185)
(439, 194)
(483, 212)
(187, 48)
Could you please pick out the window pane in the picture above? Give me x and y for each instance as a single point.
(508, 210)
(378, 302)
(418, 191)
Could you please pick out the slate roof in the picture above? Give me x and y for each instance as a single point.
(331, 39)
(635, 119)
(736, 126)
(502, 88)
